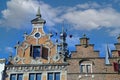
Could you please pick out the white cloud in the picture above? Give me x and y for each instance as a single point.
(50, 14)
(20, 12)
(86, 16)
(114, 32)
(9, 49)
(88, 5)
(93, 19)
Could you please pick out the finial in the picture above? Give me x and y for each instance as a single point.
(38, 12)
(84, 35)
(38, 19)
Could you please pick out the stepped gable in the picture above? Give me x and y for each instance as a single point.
(84, 49)
(85, 63)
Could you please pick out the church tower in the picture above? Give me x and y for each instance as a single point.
(36, 57)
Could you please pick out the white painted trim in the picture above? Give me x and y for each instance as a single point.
(87, 64)
(54, 73)
(16, 75)
(2, 67)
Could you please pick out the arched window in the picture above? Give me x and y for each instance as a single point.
(85, 66)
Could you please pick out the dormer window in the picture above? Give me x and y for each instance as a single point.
(38, 51)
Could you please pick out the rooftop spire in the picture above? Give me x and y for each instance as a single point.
(38, 12)
(107, 56)
(38, 18)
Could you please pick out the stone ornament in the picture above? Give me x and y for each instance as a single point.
(56, 57)
(16, 59)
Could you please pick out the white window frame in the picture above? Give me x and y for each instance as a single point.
(53, 74)
(16, 75)
(35, 75)
(85, 64)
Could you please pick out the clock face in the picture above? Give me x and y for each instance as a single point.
(37, 35)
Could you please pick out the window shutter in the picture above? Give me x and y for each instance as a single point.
(31, 50)
(44, 53)
(119, 53)
(119, 66)
(115, 66)
(41, 52)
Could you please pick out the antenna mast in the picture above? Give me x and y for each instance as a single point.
(63, 44)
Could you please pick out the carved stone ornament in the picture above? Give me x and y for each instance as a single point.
(16, 59)
(34, 68)
(56, 57)
(47, 43)
(38, 61)
(26, 45)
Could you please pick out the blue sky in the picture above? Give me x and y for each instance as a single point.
(98, 19)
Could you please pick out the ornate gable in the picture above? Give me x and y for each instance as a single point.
(37, 56)
(37, 48)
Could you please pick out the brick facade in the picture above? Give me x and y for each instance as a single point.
(85, 54)
(84, 63)
(36, 56)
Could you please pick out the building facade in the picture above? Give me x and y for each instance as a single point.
(38, 58)
(2, 68)
(85, 63)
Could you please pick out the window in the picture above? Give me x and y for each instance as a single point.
(35, 76)
(85, 68)
(13, 77)
(115, 66)
(82, 68)
(54, 76)
(37, 35)
(119, 66)
(88, 68)
(35, 51)
(38, 51)
(16, 77)
(118, 53)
